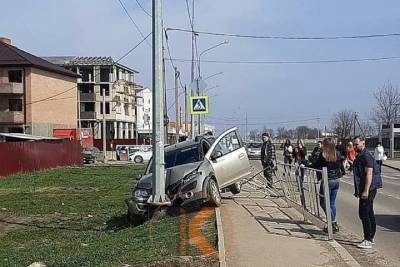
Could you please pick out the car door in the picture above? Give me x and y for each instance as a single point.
(228, 158)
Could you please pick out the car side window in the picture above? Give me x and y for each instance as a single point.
(228, 143)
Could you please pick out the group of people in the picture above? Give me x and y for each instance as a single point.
(366, 170)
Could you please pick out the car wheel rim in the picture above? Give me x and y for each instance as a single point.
(215, 191)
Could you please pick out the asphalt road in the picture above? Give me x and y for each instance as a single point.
(387, 212)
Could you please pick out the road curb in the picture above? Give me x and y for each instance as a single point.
(394, 168)
(344, 254)
(221, 241)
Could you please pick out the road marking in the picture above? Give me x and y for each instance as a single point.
(390, 177)
(379, 192)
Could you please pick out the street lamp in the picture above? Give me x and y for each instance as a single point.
(208, 49)
(213, 87)
(215, 74)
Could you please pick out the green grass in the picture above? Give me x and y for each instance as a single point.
(76, 216)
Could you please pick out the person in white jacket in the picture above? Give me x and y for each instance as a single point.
(378, 154)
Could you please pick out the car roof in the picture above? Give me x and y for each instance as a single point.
(190, 143)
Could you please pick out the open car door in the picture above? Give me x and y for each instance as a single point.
(228, 158)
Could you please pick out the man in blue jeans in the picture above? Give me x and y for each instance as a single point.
(367, 179)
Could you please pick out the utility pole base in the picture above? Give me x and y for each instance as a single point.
(159, 200)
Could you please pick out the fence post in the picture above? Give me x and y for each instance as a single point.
(327, 202)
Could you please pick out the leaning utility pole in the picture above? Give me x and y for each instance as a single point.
(186, 112)
(192, 71)
(176, 107)
(158, 170)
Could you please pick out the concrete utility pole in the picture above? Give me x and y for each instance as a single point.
(317, 129)
(192, 71)
(104, 126)
(177, 128)
(158, 176)
(186, 112)
(354, 124)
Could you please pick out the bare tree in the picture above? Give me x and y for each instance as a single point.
(281, 133)
(387, 105)
(342, 123)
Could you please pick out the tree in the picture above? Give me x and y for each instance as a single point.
(387, 105)
(302, 132)
(281, 133)
(342, 123)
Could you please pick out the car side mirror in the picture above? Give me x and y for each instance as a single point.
(216, 154)
(139, 177)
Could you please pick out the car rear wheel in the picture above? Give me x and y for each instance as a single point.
(235, 188)
(138, 159)
(213, 193)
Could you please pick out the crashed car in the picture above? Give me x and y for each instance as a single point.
(196, 171)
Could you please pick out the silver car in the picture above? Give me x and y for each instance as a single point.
(254, 149)
(196, 171)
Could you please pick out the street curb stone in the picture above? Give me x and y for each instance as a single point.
(344, 254)
(221, 241)
(394, 168)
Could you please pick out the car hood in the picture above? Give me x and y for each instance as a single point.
(173, 175)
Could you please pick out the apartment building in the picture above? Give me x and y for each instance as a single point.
(35, 95)
(98, 75)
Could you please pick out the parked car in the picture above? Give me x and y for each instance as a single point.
(140, 156)
(254, 149)
(91, 154)
(196, 171)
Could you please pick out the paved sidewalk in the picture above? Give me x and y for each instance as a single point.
(394, 164)
(264, 231)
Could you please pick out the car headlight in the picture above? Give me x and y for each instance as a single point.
(191, 176)
(141, 193)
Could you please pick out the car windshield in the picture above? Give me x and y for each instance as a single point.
(255, 145)
(178, 157)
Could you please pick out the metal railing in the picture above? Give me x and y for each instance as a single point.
(302, 186)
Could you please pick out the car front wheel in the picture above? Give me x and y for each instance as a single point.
(135, 219)
(213, 193)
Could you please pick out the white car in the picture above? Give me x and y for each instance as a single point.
(141, 156)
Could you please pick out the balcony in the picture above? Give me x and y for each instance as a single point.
(88, 97)
(88, 115)
(11, 88)
(12, 117)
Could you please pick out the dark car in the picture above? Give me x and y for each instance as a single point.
(254, 150)
(196, 171)
(91, 154)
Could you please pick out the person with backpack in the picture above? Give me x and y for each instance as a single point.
(329, 158)
(367, 180)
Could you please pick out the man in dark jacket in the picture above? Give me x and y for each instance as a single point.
(267, 157)
(367, 179)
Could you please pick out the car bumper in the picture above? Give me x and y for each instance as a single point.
(137, 208)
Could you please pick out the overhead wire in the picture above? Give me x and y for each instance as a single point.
(144, 10)
(349, 60)
(367, 36)
(133, 22)
(74, 87)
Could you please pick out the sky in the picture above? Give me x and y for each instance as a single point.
(272, 95)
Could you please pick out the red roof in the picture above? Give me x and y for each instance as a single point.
(11, 56)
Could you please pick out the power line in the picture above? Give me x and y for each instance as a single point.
(171, 60)
(133, 22)
(368, 36)
(73, 88)
(144, 10)
(350, 60)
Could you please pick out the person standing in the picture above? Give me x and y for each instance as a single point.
(299, 155)
(351, 155)
(287, 152)
(342, 150)
(378, 155)
(367, 179)
(329, 158)
(316, 152)
(268, 157)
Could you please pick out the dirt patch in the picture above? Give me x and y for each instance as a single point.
(184, 261)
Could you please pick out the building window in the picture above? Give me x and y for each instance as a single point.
(15, 76)
(86, 88)
(87, 107)
(15, 104)
(104, 74)
(106, 87)
(86, 73)
(107, 108)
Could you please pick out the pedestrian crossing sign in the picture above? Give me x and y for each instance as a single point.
(198, 105)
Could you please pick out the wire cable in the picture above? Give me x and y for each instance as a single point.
(63, 92)
(350, 60)
(368, 36)
(144, 10)
(133, 22)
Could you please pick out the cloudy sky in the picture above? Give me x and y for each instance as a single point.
(271, 94)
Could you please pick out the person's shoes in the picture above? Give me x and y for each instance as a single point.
(372, 241)
(365, 244)
(335, 227)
